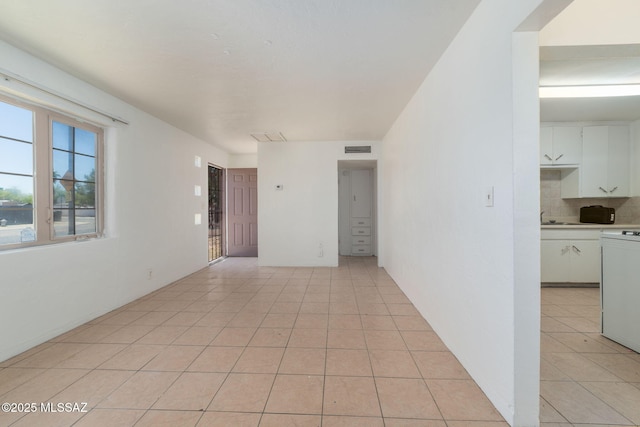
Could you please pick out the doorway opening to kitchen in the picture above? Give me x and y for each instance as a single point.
(593, 138)
(357, 213)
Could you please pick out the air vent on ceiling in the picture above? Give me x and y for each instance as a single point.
(269, 137)
(351, 149)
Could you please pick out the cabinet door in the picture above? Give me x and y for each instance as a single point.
(546, 146)
(361, 192)
(567, 145)
(554, 260)
(595, 163)
(585, 261)
(618, 163)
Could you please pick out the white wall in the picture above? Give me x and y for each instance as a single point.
(469, 268)
(526, 223)
(150, 177)
(243, 161)
(293, 222)
(635, 157)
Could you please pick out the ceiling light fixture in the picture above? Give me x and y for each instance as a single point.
(589, 91)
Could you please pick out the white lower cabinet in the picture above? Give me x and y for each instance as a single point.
(361, 239)
(570, 260)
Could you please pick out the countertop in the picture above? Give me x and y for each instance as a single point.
(592, 226)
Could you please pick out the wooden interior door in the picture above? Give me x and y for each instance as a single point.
(243, 212)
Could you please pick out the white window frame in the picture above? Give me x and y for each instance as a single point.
(43, 199)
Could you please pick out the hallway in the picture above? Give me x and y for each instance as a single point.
(242, 345)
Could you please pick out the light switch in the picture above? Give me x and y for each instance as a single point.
(488, 197)
(197, 161)
(197, 190)
(198, 219)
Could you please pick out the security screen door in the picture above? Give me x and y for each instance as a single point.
(216, 213)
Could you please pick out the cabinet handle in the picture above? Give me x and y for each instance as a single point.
(558, 158)
(603, 190)
(576, 249)
(548, 157)
(613, 189)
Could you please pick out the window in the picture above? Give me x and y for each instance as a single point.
(50, 177)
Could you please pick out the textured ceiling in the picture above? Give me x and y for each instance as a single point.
(590, 65)
(223, 69)
(592, 42)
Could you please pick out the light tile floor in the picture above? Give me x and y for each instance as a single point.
(586, 379)
(240, 345)
(236, 345)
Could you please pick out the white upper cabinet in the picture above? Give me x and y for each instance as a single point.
(560, 145)
(604, 171)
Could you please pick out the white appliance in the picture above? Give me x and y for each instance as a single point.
(620, 287)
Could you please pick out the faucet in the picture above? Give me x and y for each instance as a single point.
(541, 212)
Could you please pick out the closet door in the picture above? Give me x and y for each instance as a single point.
(361, 208)
(361, 193)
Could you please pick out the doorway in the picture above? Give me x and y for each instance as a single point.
(357, 208)
(216, 213)
(243, 212)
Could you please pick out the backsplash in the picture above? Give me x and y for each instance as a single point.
(555, 207)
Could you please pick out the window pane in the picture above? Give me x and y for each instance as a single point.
(61, 225)
(85, 196)
(67, 222)
(16, 157)
(62, 136)
(61, 196)
(15, 190)
(16, 122)
(85, 168)
(85, 221)
(62, 164)
(16, 209)
(85, 142)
